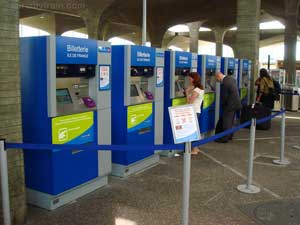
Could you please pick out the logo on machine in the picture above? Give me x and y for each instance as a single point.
(76, 51)
(63, 134)
(133, 118)
(160, 55)
(183, 60)
(103, 49)
(231, 63)
(143, 56)
(211, 62)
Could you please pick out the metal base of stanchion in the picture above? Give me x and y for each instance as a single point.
(283, 162)
(248, 190)
(297, 147)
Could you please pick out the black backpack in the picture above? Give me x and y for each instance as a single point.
(277, 90)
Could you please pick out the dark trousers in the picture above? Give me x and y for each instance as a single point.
(225, 123)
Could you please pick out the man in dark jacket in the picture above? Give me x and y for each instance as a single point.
(230, 104)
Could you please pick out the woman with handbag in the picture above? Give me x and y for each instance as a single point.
(266, 89)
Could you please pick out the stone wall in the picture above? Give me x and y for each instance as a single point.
(10, 104)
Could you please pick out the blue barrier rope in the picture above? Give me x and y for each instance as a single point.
(123, 148)
(220, 135)
(92, 147)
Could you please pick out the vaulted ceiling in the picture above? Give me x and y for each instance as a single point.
(124, 17)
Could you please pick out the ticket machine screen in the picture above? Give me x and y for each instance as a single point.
(133, 91)
(63, 96)
(245, 79)
(177, 87)
(210, 80)
(180, 80)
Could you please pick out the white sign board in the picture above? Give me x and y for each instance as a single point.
(159, 76)
(104, 77)
(184, 124)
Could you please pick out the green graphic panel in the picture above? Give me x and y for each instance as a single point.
(178, 101)
(244, 93)
(137, 114)
(209, 99)
(67, 128)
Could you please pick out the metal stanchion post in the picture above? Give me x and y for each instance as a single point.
(282, 160)
(186, 184)
(4, 184)
(249, 188)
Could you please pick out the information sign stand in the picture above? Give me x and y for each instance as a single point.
(185, 128)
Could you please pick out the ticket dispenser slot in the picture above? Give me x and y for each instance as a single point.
(181, 81)
(73, 88)
(141, 90)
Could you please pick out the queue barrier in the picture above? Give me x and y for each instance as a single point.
(247, 188)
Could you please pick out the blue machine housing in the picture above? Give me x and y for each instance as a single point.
(207, 116)
(168, 136)
(182, 60)
(121, 135)
(229, 64)
(52, 171)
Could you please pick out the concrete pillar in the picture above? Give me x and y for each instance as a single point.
(157, 40)
(91, 19)
(104, 31)
(156, 34)
(219, 39)
(247, 37)
(290, 38)
(194, 35)
(10, 105)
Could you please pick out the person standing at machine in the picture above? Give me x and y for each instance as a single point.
(194, 95)
(230, 103)
(266, 90)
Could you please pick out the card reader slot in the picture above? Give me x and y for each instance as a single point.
(76, 151)
(145, 130)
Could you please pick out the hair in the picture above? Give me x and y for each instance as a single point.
(196, 79)
(264, 73)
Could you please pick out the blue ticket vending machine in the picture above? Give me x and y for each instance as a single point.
(177, 67)
(65, 85)
(244, 80)
(208, 65)
(229, 67)
(137, 106)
